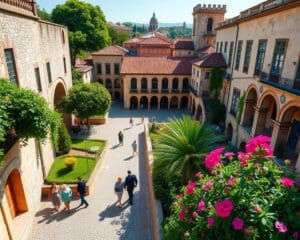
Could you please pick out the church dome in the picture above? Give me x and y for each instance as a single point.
(153, 20)
(153, 26)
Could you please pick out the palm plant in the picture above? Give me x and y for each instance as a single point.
(182, 147)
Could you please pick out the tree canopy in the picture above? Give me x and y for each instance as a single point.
(117, 37)
(86, 23)
(216, 81)
(86, 100)
(76, 77)
(43, 14)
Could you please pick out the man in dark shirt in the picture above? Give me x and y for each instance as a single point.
(81, 189)
(130, 184)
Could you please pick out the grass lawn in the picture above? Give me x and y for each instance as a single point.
(98, 116)
(60, 174)
(82, 144)
(154, 134)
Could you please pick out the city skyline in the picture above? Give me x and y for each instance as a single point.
(181, 11)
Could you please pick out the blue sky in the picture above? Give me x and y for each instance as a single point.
(167, 11)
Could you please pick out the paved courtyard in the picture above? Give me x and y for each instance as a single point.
(102, 220)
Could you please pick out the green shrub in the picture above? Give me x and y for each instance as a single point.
(64, 140)
(218, 110)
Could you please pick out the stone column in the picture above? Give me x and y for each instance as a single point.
(259, 120)
(280, 133)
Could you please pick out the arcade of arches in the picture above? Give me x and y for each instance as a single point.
(159, 102)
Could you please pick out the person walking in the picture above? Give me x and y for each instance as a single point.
(119, 191)
(134, 148)
(120, 135)
(66, 196)
(130, 183)
(54, 195)
(142, 119)
(81, 189)
(131, 122)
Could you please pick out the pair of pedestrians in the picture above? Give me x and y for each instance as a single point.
(134, 144)
(129, 184)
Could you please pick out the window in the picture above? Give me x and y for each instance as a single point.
(225, 47)
(49, 72)
(230, 53)
(63, 36)
(197, 73)
(65, 65)
(38, 79)
(117, 68)
(221, 47)
(278, 59)
(133, 83)
(234, 102)
(209, 25)
(185, 83)
(194, 71)
(207, 75)
(238, 55)
(297, 78)
(261, 51)
(99, 68)
(11, 66)
(217, 50)
(154, 83)
(144, 83)
(165, 83)
(175, 83)
(247, 56)
(107, 68)
(194, 27)
(108, 83)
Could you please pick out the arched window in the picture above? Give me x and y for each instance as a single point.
(108, 83)
(185, 84)
(165, 84)
(63, 36)
(133, 83)
(144, 84)
(154, 83)
(209, 25)
(175, 84)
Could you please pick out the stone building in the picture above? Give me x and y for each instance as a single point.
(153, 25)
(206, 19)
(86, 69)
(33, 54)
(107, 64)
(262, 51)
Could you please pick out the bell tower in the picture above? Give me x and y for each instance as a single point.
(205, 20)
(153, 25)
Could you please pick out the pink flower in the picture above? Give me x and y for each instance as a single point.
(231, 181)
(198, 175)
(244, 157)
(237, 224)
(182, 215)
(208, 185)
(229, 154)
(213, 158)
(194, 214)
(258, 209)
(201, 205)
(210, 221)
(260, 145)
(190, 189)
(281, 227)
(224, 208)
(287, 182)
(296, 234)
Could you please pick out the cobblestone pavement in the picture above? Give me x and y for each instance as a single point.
(102, 220)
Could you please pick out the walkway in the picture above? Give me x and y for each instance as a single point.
(102, 220)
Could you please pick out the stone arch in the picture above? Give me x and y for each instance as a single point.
(164, 102)
(154, 102)
(134, 102)
(199, 113)
(271, 93)
(117, 83)
(15, 194)
(283, 117)
(144, 102)
(174, 102)
(184, 102)
(108, 83)
(229, 132)
(249, 111)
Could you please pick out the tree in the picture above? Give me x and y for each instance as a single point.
(86, 23)
(64, 140)
(181, 147)
(86, 100)
(216, 81)
(76, 77)
(117, 37)
(43, 14)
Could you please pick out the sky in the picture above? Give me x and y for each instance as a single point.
(167, 11)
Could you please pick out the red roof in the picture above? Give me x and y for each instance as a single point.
(211, 60)
(150, 38)
(157, 65)
(113, 50)
(184, 44)
(207, 50)
(84, 65)
(154, 41)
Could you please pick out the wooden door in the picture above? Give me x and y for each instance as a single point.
(9, 193)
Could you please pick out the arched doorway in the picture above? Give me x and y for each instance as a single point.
(250, 104)
(242, 147)
(154, 102)
(134, 103)
(144, 103)
(267, 114)
(229, 132)
(184, 102)
(164, 102)
(199, 113)
(60, 93)
(174, 102)
(15, 195)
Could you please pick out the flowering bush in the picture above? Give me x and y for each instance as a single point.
(250, 197)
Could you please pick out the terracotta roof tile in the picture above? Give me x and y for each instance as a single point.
(207, 50)
(154, 41)
(113, 50)
(184, 44)
(84, 65)
(157, 65)
(211, 60)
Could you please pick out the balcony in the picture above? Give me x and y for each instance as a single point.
(144, 90)
(20, 6)
(133, 90)
(154, 90)
(165, 90)
(281, 83)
